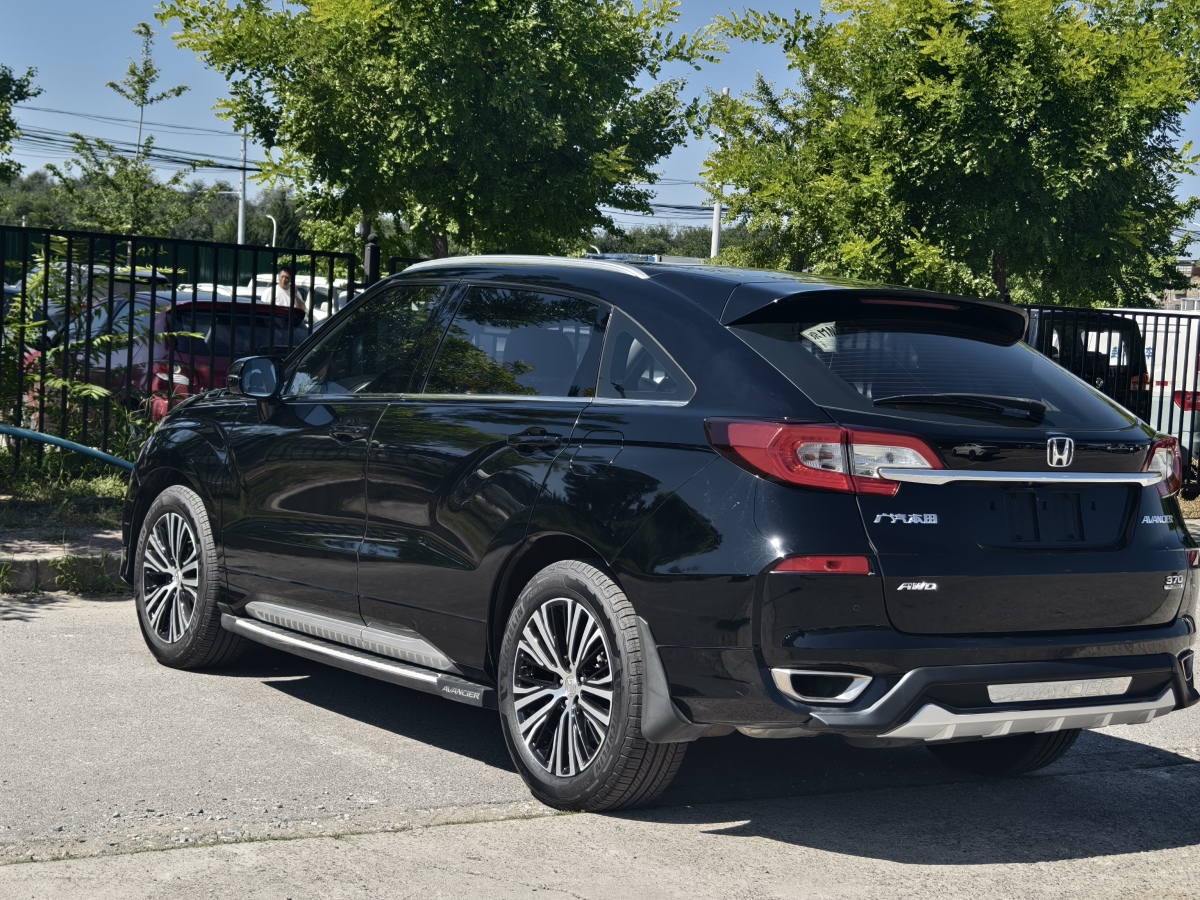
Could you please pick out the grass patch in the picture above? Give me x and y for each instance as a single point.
(86, 574)
(59, 494)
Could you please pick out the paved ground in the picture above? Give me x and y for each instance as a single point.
(283, 778)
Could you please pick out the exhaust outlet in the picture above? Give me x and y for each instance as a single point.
(820, 686)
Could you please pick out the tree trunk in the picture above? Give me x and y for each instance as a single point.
(1000, 276)
(441, 246)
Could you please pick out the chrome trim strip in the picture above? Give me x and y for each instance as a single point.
(935, 723)
(500, 259)
(945, 476)
(525, 398)
(395, 643)
(634, 401)
(858, 684)
(1074, 689)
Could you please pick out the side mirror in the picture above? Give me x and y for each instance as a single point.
(258, 377)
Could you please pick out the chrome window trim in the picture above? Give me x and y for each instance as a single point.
(946, 476)
(535, 398)
(607, 265)
(636, 401)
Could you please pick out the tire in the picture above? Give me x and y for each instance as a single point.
(1006, 756)
(553, 711)
(175, 586)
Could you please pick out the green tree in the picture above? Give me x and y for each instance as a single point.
(496, 124)
(115, 192)
(1025, 149)
(32, 199)
(13, 89)
(668, 240)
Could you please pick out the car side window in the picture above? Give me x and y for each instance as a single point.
(374, 350)
(506, 341)
(636, 367)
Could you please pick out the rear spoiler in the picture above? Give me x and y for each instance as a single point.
(761, 302)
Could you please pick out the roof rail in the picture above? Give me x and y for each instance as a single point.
(500, 259)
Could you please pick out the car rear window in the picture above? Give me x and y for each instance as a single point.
(234, 336)
(859, 363)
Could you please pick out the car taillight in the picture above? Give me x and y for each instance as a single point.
(171, 379)
(1165, 459)
(827, 457)
(1188, 401)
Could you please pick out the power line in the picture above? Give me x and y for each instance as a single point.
(130, 123)
(54, 140)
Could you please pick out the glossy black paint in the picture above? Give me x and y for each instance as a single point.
(294, 532)
(428, 514)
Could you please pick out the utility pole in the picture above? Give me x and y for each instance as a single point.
(716, 225)
(242, 198)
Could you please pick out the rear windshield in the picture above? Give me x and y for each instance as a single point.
(233, 336)
(866, 365)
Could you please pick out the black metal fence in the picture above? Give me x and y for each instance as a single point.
(1148, 360)
(103, 334)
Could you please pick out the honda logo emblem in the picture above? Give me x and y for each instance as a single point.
(1060, 451)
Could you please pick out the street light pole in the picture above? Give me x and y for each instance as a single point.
(241, 239)
(274, 228)
(715, 248)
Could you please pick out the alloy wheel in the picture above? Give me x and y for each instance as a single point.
(170, 577)
(563, 686)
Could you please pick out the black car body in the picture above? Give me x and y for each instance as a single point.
(791, 506)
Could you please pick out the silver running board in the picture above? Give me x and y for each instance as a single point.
(403, 645)
(452, 687)
(934, 723)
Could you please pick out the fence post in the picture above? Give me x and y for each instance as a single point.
(371, 259)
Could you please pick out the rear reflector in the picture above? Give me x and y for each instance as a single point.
(827, 457)
(825, 565)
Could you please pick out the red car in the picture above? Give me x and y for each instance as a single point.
(175, 351)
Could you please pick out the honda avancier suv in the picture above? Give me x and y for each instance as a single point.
(633, 505)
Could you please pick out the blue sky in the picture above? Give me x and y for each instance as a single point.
(79, 45)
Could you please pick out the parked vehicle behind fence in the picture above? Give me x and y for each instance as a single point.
(1146, 360)
(157, 354)
(630, 506)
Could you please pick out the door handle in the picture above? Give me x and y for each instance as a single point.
(535, 440)
(346, 432)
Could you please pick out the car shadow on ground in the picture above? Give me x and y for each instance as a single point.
(1107, 796)
(430, 719)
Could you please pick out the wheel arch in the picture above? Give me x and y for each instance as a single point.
(150, 485)
(526, 561)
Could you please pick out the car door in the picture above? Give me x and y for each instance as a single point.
(455, 470)
(293, 536)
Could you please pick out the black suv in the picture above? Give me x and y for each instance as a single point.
(635, 505)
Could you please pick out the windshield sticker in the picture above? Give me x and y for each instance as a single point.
(823, 335)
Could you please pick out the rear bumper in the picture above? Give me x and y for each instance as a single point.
(940, 691)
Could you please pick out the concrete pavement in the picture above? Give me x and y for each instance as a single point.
(284, 778)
